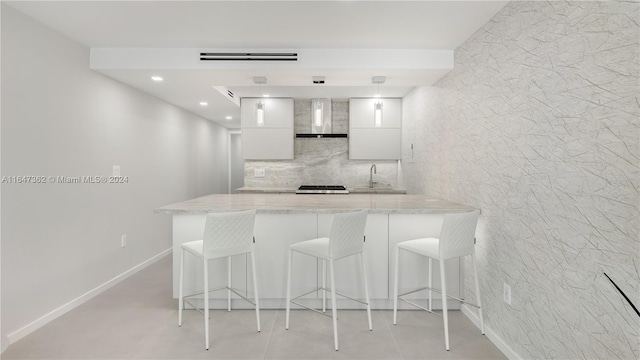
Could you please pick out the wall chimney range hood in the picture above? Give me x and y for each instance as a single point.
(320, 121)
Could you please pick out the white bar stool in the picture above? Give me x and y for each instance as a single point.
(346, 239)
(225, 235)
(457, 239)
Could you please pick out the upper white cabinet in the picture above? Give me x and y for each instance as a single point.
(375, 136)
(267, 128)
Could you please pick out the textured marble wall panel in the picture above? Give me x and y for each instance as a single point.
(538, 125)
(320, 161)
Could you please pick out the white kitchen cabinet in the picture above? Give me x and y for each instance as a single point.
(370, 142)
(274, 234)
(349, 279)
(414, 268)
(267, 144)
(375, 144)
(273, 140)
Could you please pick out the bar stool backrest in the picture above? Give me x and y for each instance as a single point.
(347, 233)
(458, 233)
(226, 231)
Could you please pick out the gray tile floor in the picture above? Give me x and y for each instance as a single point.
(137, 319)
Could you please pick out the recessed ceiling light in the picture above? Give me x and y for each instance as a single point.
(203, 103)
(228, 117)
(265, 95)
(157, 78)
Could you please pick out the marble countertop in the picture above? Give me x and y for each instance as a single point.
(270, 203)
(363, 190)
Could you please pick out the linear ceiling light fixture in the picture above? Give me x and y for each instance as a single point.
(377, 106)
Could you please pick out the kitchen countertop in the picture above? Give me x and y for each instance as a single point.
(270, 203)
(250, 190)
(363, 190)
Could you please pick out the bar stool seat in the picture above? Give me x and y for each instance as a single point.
(425, 246)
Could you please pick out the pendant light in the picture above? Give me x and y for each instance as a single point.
(377, 114)
(260, 105)
(260, 113)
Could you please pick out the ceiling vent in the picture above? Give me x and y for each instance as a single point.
(228, 94)
(244, 56)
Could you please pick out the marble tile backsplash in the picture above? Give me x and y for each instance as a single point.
(538, 126)
(320, 161)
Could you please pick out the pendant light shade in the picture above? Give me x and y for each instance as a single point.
(377, 114)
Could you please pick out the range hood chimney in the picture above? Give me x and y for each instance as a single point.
(320, 121)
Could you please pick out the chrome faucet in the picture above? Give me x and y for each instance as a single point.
(372, 171)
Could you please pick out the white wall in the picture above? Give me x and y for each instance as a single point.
(61, 119)
(236, 162)
(538, 126)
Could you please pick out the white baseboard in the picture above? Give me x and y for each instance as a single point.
(491, 335)
(38, 323)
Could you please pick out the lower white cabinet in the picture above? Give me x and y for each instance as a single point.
(274, 234)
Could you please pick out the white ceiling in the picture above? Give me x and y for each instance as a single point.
(256, 25)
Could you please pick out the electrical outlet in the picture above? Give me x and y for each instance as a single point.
(116, 170)
(123, 240)
(259, 173)
(506, 293)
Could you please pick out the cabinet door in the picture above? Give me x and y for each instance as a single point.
(414, 268)
(375, 144)
(274, 234)
(348, 275)
(361, 113)
(267, 144)
(278, 113)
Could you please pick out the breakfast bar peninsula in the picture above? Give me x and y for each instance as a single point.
(284, 219)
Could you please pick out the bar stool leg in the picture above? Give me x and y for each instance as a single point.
(229, 283)
(395, 288)
(366, 290)
(288, 306)
(334, 310)
(180, 291)
(206, 302)
(445, 318)
(430, 282)
(255, 288)
(324, 285)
